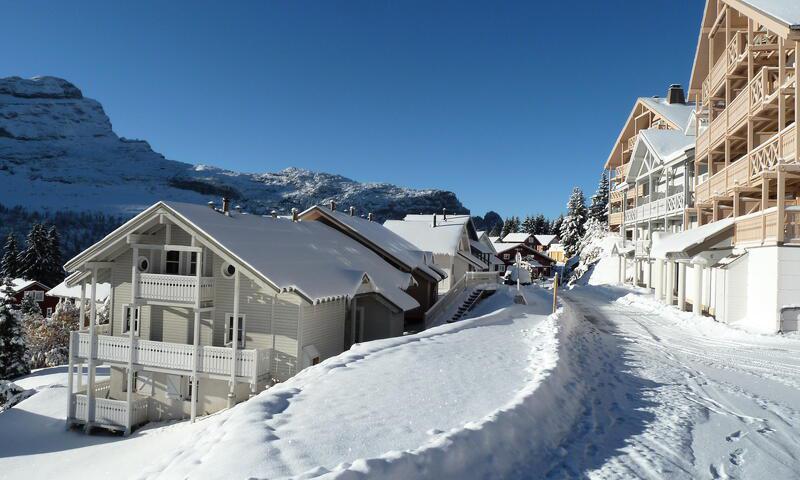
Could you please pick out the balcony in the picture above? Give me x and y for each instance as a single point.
(615, 218)
(780, 148)
(108, 412)
(251, 364)
(181, 289)
(671, 205)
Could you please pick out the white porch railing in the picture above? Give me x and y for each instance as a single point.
(657, 208)
(250, 363)
(174, 288)
(470, 279)
(110, 412)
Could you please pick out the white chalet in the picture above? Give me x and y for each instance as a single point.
(450, 239)
(210, 306)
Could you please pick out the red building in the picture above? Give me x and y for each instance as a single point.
(23, 288)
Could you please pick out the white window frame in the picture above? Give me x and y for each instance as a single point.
(49, 311)
(506, 256)
(225, 274)
(38, 295)
(139, 264)
(169, 262)
(229, 327)
(137, 322)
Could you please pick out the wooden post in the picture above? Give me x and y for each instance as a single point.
(234, 338)
(70, 374)
(781, 203)
(555, 293)
(131, 341)
(764, 205)
(90, 399)
(196, 332)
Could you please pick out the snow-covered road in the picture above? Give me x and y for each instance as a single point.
(674, 396)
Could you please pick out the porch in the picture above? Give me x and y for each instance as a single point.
(108, 413)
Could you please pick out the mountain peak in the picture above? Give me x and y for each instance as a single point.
(39, 87)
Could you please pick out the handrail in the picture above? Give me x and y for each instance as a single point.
(469, 279)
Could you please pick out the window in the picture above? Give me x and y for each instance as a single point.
(38, 295)
(228, 270)
(506, 256)
(173, 263)
(229, 330)
(502, 268)
(193, 263)
(126, 312)
(49, 311)
(143, 264)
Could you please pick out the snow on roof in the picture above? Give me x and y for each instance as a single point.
(19, 284)
(504, 246)
(393, 244)
(444, 238)
(475, 260)
(63, 291)
(494, 239)
(516, 237)
(787, 11)
(667, 246)
(677, 113)
(545, 239)
(309, 257)
(667, 144)
(481, 247)
(453, 219)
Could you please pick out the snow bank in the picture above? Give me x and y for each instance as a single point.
(596, 265)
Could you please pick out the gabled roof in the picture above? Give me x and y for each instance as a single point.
(787, 12)
(689, 243)
(20, 284)
(664, 146)
(310, 258)
(378, 238)
(676, 115)
(465, 220)
(516, 237)
(542, 258)
(545, 240)
(444, 238)
(63, 291)
(506, 246)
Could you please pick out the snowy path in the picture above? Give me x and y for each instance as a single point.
(674, 396)
(381, 397)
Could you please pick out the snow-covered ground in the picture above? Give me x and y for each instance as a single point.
(616, 386)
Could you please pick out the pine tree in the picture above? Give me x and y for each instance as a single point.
(555, 226)
(529, 226)
(9, 265)
(599, 208)
(55, 272)
(13, 352)
(35, 259)
(540, 225)
(574, 224)
(29, 305)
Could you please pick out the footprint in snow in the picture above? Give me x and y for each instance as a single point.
(735, 436)
(737, 456)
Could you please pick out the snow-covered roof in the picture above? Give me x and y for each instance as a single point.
(444, 238)
(63, 291)
(481, 247)
(451, 219)
(677, 113)
(667, 144)
(545, 239)
(681, 244)
(505, 246)
(516, 237)
(787, 11)
(494, 239)
(381, 238)
(473, 259)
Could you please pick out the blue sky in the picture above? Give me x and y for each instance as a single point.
(508, 104)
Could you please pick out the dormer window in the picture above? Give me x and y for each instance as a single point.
(172, 265)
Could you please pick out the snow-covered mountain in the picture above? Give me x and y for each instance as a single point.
(59, 152)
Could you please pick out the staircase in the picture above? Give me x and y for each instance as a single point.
(469, 303)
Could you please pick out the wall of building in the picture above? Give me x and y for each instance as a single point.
(323, 326)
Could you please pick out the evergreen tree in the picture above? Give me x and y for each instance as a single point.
(55, 271)
(599, 208)
(29, 305)
(529, 226)
(35, 259)
(9, 265)
(555, 226)
(540, 225)
(13, 352)
(574, 224)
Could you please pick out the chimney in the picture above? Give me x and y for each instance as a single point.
(211, 205)
(444, 214)
(675, 94)
(226, 205)
(333, 205)
(352, 211)
(294, 214)
(369, 216)
(274, 214)
(434, 219)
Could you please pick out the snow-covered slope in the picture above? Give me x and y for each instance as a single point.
(59, 152)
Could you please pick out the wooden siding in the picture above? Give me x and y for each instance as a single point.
(322, 325)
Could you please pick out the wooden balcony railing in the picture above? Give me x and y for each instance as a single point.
(250, 363)
(174, 288)
(615, 218)
(762, 228)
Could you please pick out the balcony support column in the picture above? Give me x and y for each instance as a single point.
(81, 326)
(682, 286)
(669, 297)
(70, 374)
(90, 404)
(648, 265)
(781, 203)
(658, 278)
(234, 338)
(697, 297)
(196, 332)
(132, 327)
